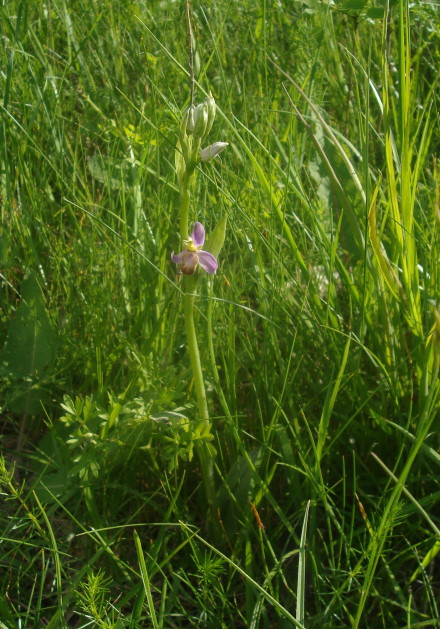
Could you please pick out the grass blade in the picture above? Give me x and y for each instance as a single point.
(145, 580)
(301, 588)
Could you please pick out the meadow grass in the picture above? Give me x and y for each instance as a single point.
(319, 335)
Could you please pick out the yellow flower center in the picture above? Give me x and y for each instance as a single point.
(190, 246)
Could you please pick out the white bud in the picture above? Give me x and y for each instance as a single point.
(187, 122)
(200, 120)
(190, 124)
(212, 151)
(211, 107)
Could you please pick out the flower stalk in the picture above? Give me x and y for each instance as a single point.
(185, 195)
(194, 128)
(203, 427)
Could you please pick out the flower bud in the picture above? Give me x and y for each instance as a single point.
(211, 107)
(200, 120)
(212, 151)
(187, 124)
(190, 123)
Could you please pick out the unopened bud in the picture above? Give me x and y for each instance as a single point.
(187, 124)
(211, 107)
(190, 123)
(200, 120)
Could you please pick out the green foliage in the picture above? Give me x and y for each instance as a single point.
(28, 356)
(95, 444)
(92, 596)
(319, 336)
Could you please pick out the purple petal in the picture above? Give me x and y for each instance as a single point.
(177, 259)
(198, 234)
(208, 262)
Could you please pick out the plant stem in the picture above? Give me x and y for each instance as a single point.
(184, 193)
(203, 426)
(194, 352)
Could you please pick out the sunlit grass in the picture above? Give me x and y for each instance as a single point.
(319, 335)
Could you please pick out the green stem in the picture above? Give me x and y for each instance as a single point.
(203, 426)
(193, 349)
(184, 208)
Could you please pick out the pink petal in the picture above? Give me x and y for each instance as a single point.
(177, 259)
(208, 262)
(198, 234)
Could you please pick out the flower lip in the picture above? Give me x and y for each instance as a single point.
(190, 261)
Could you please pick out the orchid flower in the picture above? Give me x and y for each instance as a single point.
(193, 255)
(212, 151)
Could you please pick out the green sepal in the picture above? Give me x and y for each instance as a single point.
(216, 240)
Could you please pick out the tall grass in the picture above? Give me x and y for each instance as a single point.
(319, 336)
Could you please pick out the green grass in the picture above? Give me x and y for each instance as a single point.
(319, 335)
